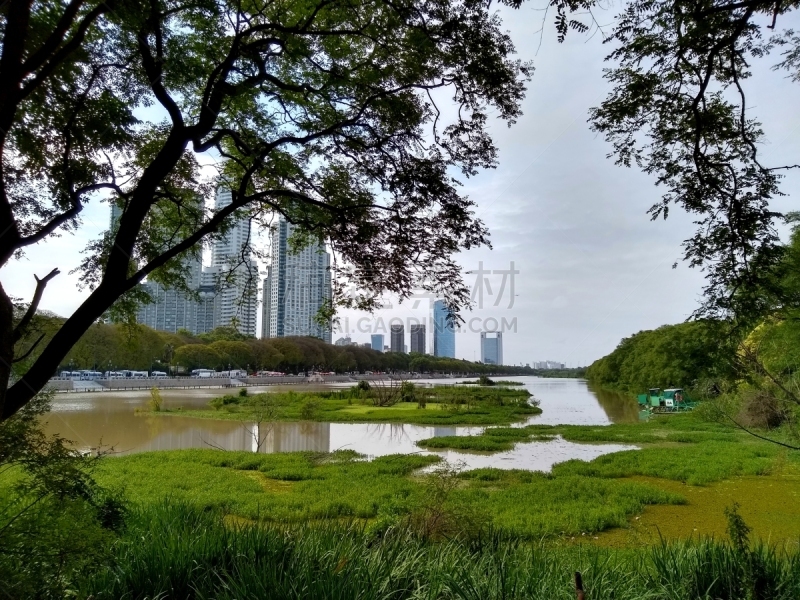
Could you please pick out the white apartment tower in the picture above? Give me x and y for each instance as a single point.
(299, 285)
(234, 273)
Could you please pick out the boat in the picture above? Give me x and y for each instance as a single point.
(673, 400)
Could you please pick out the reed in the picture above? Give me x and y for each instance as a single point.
(176, 551)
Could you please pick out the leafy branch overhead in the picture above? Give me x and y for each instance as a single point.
(323, 111)
(678, 110)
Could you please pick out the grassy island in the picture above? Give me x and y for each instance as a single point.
(378, 403)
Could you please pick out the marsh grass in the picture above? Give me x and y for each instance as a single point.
(438, 405)
(300, 487)
(681, 448)
(176, 551)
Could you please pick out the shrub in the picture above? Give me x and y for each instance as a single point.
(407, 392)
(762, 410)
(309, 409)
(155, 399)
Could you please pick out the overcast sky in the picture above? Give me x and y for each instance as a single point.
(592, 267)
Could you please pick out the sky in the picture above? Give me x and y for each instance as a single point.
(592, 267)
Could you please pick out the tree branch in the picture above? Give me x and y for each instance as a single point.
(19, 330)
(24, 356)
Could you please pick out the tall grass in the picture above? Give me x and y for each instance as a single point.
(173, 551)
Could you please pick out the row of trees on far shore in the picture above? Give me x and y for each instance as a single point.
(107, 347)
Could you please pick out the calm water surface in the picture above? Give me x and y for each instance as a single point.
(109, 420)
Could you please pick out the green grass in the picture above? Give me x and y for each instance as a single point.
(171, 551)
(301, 487)
(681, 448)
(493, 439)
(286, 487)
(444, 405)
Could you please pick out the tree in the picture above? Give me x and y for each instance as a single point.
(235, 354)
(322, 111)
(197, 356)
(678, 110)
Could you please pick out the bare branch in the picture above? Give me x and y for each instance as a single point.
(19, 330)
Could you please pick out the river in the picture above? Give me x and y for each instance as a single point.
(109, 421)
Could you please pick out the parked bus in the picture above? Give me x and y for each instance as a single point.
(203, 373)
(234, 373)
(158, 374)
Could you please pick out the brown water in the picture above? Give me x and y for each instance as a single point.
(109, 420)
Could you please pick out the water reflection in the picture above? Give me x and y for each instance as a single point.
(109, 420)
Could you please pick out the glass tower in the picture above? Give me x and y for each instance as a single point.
(444, 335)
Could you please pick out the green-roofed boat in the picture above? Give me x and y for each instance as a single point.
(673, 400)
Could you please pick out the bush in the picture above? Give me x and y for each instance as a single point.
(155, 399)
(762, 410)
(309, 409)
(407, 392)
(243, 392)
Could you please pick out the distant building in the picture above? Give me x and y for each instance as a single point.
(343, 341)
(397, 338)
(444, 334)
(116, 213)
(172, 309)
(548, 364)
(492, 348)
(300, 286)
(377, 342)
(266, 304)
(222, 294)
(418, 338)
(366, 345)
(234, 273)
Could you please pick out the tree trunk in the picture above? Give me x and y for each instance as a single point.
(6, 344)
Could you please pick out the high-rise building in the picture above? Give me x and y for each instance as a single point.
(444, 334)
(343, 341)
(116, 213)
(397, 338)
(234, 273)
(492, 348)
(266, 304)
(171, 309)
(225, 291)
(300, 286)
(377, 342)
(418, 338)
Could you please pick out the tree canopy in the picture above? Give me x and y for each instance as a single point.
(322, 111)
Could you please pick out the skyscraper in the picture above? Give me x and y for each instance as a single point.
(300, 286)
(377, 342)
(266, 304)
(234, 273)
(397, 338)
(444, 335)
(116, 213)
(172, 309)
(418, 338)
(226, 289)
(492, 349)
